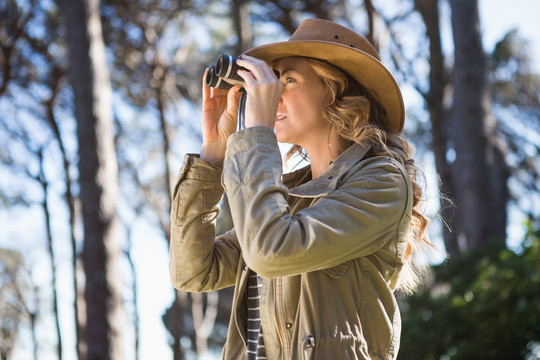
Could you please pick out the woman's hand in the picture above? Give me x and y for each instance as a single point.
(219, 109)
(263, 92)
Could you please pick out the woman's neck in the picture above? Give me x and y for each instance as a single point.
(321, 155)
(319, 165)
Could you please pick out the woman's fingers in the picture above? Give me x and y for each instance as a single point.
(264, 91)
(232, 101)
(259, 70)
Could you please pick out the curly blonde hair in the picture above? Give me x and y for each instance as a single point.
(359, 118)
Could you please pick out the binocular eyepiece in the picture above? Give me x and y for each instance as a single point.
(224, 75)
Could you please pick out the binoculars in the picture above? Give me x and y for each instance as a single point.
(224, 75)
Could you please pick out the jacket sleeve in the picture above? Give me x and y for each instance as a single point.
(356, 219)
(200, 261)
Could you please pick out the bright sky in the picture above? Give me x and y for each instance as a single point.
(497, 18)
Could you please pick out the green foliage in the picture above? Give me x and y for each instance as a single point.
(484, 306)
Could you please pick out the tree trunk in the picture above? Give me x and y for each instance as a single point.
(479, 172)
(70, 201)
(174, 323)
(242, 26)
(370, 12)
(135, 292)
(45, 205)
(204, 318)
(429, 10)
(90, 82)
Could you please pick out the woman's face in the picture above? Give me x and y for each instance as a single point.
(299, 115)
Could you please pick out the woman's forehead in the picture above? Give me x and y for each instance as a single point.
(288, 62)
(296, 64)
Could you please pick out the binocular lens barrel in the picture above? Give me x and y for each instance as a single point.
(213, 80)
(226, 68)
(224, 75)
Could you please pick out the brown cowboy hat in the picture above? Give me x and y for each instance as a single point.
(326, 40)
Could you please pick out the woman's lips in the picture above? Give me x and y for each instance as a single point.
(280, 117)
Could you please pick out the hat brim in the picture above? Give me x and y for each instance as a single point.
(366, 69)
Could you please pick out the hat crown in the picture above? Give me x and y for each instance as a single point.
(324, 30)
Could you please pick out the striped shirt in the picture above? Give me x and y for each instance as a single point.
(255, 340)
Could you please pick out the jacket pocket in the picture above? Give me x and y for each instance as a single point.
(308, 344)
(338, 271)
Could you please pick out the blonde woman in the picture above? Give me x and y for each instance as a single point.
(315, 255)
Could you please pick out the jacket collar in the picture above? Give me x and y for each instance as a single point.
(329, 179)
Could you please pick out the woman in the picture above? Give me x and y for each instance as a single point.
(317, 254)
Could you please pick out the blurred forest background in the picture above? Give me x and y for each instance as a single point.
(99, 102)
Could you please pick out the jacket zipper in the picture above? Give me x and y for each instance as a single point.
(307, 345)
(280, 318)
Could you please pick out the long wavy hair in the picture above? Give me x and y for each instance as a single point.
(358, 117)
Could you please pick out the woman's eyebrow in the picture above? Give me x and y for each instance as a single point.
(281, 73)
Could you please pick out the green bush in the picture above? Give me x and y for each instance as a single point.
(483, 306)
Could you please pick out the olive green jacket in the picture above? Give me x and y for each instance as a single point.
(330, 250)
